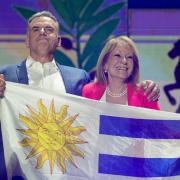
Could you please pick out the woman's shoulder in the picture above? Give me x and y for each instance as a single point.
(136, 97)
(93, 90)
(95, 85)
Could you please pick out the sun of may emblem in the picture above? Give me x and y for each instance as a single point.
(51, 136)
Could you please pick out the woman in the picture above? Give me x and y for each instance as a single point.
(118, 76)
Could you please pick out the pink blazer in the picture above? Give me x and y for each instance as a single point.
(136, 96)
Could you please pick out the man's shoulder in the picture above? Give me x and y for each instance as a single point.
(70, 68)
(7, 68)
(11, 67)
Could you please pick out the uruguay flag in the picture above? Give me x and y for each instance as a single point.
(47, 135)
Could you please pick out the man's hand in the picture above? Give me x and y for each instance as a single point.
(151, 89)
(2, 85)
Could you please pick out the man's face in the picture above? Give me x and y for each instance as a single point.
(42, 37)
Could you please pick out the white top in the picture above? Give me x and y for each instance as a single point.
(103, 98)
(45, 75)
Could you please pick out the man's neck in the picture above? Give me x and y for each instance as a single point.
(42, 59)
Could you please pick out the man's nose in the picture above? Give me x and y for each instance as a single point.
(42, 30)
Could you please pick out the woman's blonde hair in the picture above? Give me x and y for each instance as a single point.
(104, 56)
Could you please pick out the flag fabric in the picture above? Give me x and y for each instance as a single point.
(47, 135)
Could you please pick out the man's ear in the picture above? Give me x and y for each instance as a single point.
(27, 41)
(59, 41)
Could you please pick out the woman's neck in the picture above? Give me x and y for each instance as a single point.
(116, 92)
(116, 85)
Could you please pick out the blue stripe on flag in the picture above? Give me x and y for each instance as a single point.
(139, 128)
(138, 167)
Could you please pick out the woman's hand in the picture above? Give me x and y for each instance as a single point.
(151, 89)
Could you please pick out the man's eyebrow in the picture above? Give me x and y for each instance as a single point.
(36, 26)
(42, 26)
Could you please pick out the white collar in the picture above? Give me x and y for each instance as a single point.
(30, 61)
(39, 68)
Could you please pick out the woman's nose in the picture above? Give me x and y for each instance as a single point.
(124, 60)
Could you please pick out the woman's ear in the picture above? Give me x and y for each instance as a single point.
(105, 68)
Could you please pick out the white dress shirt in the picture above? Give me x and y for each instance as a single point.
(45, 75)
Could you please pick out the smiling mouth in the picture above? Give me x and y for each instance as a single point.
(121, 68)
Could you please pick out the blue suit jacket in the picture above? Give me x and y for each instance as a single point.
(74, 79)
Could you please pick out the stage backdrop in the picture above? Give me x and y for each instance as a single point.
(155, 27)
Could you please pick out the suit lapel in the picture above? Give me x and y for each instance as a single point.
(67, 81)
(22, 73)
(23, 77)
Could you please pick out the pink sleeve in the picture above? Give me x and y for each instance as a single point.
(84, 91)
(151, 104)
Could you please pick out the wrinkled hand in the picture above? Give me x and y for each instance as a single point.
(2, 85)
(151, 89)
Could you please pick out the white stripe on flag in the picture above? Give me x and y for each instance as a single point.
(138, 147)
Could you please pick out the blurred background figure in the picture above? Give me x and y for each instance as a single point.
(174, 53)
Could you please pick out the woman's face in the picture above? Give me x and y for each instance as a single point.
(120, 63)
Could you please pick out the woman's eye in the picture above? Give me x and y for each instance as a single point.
(117, 55)
(130, 57)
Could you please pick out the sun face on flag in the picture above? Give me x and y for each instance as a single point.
(51, 136)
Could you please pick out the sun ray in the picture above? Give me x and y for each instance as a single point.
(27, 142)
(65, 124)
(51, 114)
(62, 114)
(74, 140)
(35, 150)
(29, 132)
(28, 122)
(50, 136)
(34, 115)
(74, 150)
(67, 155)
(41, 159)
(52, 157)
(75, 130)
(61, 163)
(42, 111)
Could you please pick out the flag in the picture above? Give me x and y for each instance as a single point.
(48, 135)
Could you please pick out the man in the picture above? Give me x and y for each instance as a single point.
(40, 68)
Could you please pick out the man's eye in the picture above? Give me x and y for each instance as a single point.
(49, 29)
(36, 29)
